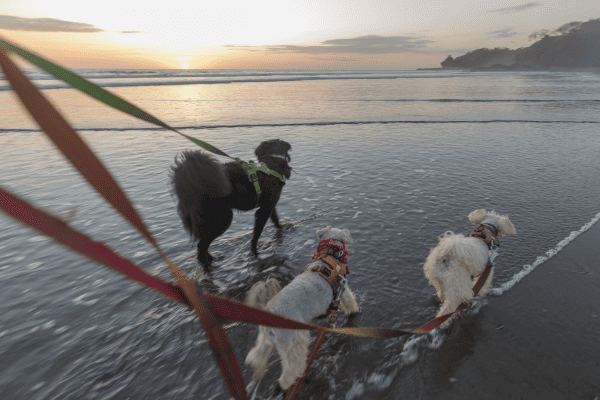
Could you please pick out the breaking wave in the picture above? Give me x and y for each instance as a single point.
(528, 268)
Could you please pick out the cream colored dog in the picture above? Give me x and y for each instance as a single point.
(306, 297)
(453, 263)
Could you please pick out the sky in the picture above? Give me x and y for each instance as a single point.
(278, 34)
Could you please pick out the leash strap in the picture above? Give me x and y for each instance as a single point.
(206, 306)
(262, 167)
(318, 342)
(224, 308)
(83, 159)
(251, 171)
(100, 94)
(463, 306)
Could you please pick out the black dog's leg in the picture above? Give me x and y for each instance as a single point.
(275, 218)
(203, 255)
(260, 219)
(212, 228)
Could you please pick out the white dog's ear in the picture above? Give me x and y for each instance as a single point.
(477, 216)
(506, 227)
(322, 232)
(345, 236)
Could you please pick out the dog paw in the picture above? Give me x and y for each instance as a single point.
(205, 258)
(207, 261)
(351, 319)
(278, 393)
(253, 248)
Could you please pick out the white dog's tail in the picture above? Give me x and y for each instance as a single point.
(260, 294)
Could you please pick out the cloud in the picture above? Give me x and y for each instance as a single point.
(515, 9)
(131, 32)
(503, 33)
(370, 44)
(12, 23)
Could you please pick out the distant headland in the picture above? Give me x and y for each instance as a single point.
(575, 45)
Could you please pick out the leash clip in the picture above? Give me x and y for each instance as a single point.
(493, 253)
(340, 291)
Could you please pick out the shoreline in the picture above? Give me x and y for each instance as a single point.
(519, 351)
(507, 68)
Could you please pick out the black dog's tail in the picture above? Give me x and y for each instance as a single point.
(198, 178)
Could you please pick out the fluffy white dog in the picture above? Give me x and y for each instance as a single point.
(306, 297)
(453, 263)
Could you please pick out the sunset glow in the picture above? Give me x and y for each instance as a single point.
(277, 34)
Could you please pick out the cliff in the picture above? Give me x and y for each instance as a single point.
(573, 45)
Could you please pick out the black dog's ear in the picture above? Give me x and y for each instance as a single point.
(273, 146)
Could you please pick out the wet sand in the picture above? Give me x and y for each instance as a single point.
(518, 354)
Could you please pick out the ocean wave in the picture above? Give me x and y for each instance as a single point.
(125, 78)
(327, 123)
(528, 268)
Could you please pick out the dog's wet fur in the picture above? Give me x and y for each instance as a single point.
(208, 192)
(452, 265)
(306, 297)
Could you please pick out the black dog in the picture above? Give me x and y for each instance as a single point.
(208, 191)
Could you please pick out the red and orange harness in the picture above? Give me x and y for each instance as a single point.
(332, 253)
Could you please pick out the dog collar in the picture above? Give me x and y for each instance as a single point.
(282, 156)
(331, 247)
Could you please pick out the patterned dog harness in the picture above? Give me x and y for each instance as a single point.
(332, 253)
(488, 233)
(252, 169)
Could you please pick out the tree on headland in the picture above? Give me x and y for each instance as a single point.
(575, 44)
(572, 45)
(565, 29)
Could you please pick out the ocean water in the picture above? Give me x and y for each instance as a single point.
(398, 158)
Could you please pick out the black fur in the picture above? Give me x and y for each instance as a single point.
(208, 191)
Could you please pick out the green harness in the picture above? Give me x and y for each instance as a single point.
(252, 168)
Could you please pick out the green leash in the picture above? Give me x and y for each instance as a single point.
(95, 91)
(111, 100)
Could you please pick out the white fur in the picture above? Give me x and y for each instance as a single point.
(306, 297)
(452, 264)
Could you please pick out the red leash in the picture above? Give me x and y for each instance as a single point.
(206, 306)
(314, 349)
(224, 308)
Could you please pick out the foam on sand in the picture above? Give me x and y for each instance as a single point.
(528, 268)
